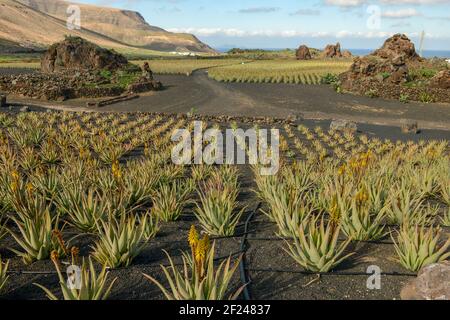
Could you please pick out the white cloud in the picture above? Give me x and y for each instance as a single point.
(401, 13)
(306, 12)
(209, 32)
(355, 3)
(415, 1)
(345, 3)
(259, 10)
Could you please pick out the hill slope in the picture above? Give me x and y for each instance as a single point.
(34, 29)
(124, 26)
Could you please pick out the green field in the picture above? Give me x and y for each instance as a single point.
(279, 71)
(187, 66)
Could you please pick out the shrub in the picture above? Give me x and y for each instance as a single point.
(404, 98)
(425, 97)
(329, 78)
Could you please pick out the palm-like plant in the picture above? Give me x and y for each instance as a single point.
(316, 248)
(418, 247)
(198, 279)
(119, 240)
(89, 285)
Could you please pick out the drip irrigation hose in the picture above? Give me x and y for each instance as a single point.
(43, 272)
(337, 273)
(339, 240)
(242, 269)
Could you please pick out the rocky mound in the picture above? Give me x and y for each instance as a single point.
(388, 72)
(332, 51)
(77, 54)
(102, 74)
(68, 85)
(441, 80)
(303, 53)
(397, 45)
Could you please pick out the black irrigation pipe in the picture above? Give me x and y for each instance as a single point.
(242, 269)
(341, 240)
(149, 266)
(341, 273)
(393, 226)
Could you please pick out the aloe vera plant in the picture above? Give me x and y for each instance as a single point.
(36, 235)
(288, 208)
(84, 211)
(316, 247)
(3, 274)
(217, 212)
(89, 286)
(418, 247)
(363, 223)
(445, 219)
(169, 200)
(198, 279)
(405, 207)
(151, 227)
(119, 240)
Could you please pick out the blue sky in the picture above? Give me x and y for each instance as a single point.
(357, 24)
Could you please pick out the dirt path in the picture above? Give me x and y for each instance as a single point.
(207, 96)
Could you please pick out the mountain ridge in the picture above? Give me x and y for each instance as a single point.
(39, 23)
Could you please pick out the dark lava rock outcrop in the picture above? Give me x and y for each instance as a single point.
(386, 73)
(303, 53)
(398, 44)
(387, 63)
(76, 68)
(332, 51)
(74, 53)
(441, 80)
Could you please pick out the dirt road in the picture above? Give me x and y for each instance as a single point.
(207, 96)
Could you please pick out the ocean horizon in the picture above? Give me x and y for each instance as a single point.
(363, 52)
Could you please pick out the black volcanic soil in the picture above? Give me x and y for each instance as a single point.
(207, 96)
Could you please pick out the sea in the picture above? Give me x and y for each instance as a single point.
(362, 52)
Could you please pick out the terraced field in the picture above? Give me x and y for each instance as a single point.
(186, 66)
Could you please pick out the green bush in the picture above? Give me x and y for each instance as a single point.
(404, 98)
(329, 78)
(425, 97)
